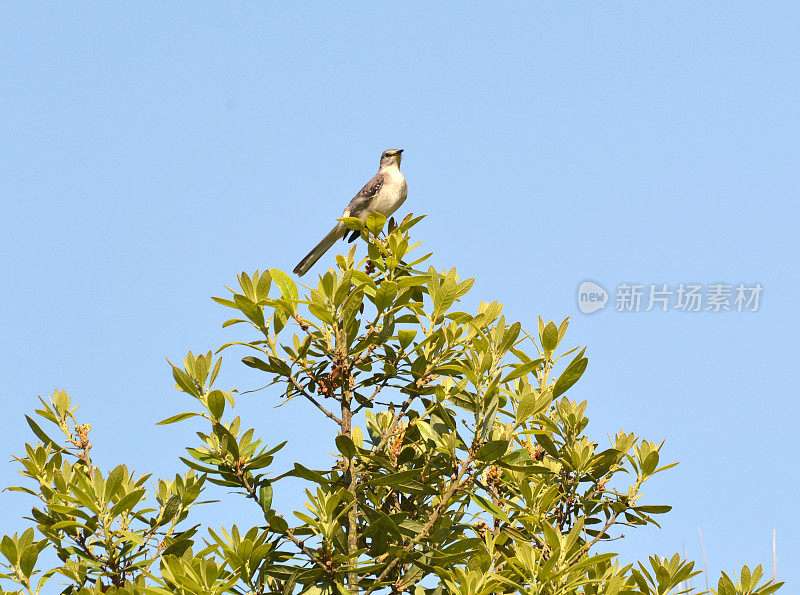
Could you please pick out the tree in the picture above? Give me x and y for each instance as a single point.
(471, 472)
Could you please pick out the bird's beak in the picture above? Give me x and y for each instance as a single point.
(399, 151)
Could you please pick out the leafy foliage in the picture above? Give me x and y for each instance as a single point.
(99, 525)
(471, 473)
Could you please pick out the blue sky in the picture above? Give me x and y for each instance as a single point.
(152, 151)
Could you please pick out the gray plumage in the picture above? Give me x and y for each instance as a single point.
(384, 193)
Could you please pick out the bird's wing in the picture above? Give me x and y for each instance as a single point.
(359, 206)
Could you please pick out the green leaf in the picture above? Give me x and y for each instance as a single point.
(263, 285)
(549, 336)
(184, 381)
(176, 418)
(395, 479)
(306, 473)
(227, 439)
(547, 444)
(345, 446)
(275, 365)
(9, 549)
(68, 525)
(552, 537)
(531, 403)
(653, 509)
(127, 502)
(215, 371)
(257, 363)
(224, 302)
(412, 281)
(375, 222)
(523, 369)
(279, 320)
(650, 463)
(491, 451)
(510, 337)
(276, 448)
(250, 309)
(113, 482)
(28, 559)
(385, 295)
(352, 223)
(285, 284)
(278, 523)
(265, 496)
(232, 321)
(570, 375)
(427, 432)
(288, 589)
(40, 433)
(406, 337)
(195, 466)
(171, 509)
(594, 561)
(490, 507)
(562, 328)
(321, 313)
(216, 404)
(361, 278)
(725, 585)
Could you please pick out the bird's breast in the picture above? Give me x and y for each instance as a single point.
(393, 193)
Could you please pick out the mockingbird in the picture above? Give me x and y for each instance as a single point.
(384, 193)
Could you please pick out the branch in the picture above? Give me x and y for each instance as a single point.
(301, 544)
(390, 431)
(303, 392)
(589, 545)
(377, 390)
(289, 532)
(428, 526)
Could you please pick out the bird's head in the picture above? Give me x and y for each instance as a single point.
(391, 157)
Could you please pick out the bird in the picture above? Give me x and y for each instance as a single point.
(384, 193)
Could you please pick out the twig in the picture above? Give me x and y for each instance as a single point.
(390, 431)
(597, 538)
(457, 483)
(289, 532)
(377, 390)
(303, 392)
(301, 544)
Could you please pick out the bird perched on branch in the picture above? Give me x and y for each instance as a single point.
(384, 193)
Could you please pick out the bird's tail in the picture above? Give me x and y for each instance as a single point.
(329, 240)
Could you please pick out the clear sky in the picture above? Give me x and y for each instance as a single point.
(151, 151)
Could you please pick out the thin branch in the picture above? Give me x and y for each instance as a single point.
(289, 532)
(390, 431)
(301, 544)
(377, 390)
(303, 392)
(457, 484)
(599, 536)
